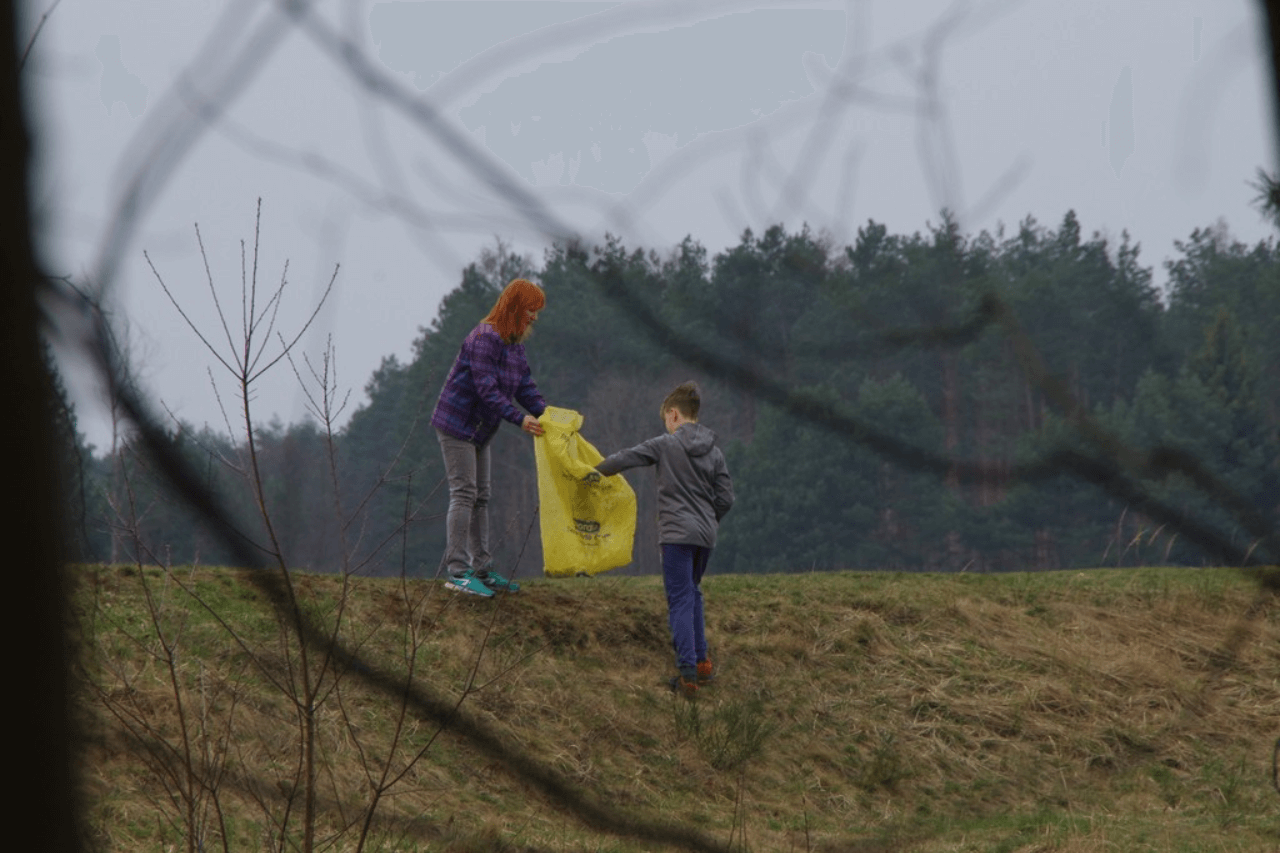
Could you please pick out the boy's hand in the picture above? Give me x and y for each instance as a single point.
(593, 477)
(531, 425)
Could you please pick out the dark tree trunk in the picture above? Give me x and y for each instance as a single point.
(46, 795)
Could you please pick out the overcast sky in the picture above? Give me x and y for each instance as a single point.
(520, 119)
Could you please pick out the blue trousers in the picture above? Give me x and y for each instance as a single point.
(682, 569)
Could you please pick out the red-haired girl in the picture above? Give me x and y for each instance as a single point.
(489, 373)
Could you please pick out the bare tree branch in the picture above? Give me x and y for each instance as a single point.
(22, 63)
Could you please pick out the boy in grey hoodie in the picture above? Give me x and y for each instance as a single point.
(694, 493)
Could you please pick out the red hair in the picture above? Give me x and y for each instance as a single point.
(508, 314)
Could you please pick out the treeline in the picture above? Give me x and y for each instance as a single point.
(922, 416)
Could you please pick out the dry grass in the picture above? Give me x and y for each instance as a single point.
(1080, 711)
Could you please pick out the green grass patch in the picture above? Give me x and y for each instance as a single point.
(1071, 711)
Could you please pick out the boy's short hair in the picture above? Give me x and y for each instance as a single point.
(686, 399)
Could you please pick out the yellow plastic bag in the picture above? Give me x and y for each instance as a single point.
(587, 528)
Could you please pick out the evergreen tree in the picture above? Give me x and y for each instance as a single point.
(74, 461)
(811, 498)
(897, 330)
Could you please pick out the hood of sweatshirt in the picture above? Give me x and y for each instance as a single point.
(696, 439)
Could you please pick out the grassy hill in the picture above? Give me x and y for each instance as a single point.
(1116, 710)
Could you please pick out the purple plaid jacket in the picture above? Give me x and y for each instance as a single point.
(477, 395)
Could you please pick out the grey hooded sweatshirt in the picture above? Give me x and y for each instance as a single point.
(694, 489)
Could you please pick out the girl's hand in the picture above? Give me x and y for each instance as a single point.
(531, 425)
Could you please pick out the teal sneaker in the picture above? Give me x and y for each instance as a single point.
(497, 582)
(470, 583)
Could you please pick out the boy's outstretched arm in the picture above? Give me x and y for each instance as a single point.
(634, 457)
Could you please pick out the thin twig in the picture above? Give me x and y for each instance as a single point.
(39, 26)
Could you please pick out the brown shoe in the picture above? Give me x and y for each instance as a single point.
(706, 672)
(686, 683)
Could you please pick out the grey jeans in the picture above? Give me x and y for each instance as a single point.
(467, 525)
